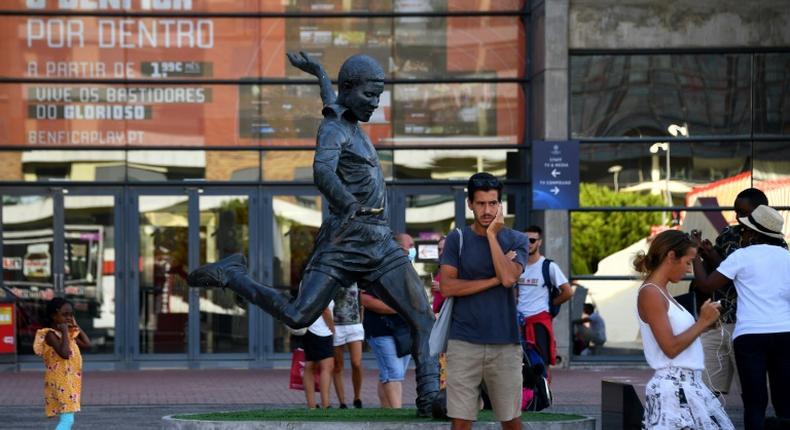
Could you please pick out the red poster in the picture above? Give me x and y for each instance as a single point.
(181, 77)
(7, 337)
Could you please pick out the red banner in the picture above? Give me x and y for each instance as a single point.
(7, 332)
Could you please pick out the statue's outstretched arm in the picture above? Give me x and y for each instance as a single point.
(307, 64)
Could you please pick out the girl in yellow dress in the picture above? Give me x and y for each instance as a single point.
(59, 346)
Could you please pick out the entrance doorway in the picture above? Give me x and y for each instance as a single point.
(172, 231)
(64, 242)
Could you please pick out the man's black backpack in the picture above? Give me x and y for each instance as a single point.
(535, 378)
(554, 291)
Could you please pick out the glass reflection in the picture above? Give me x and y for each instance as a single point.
(248, 115)
(634, 174)
(232, 166)
(332, 40)
(224, 230)
(297, 219)
(89, 267)
(493, 44)
(413, 6)
(239, 48)
(641, 95)
(772, 170)
(479, 113)
(457, 164)
(297, 6)
(179, 165)
(610, 298)
(772, 93)
(297, 166)
(603, 242)
(279, 111)
(126, 115)
(69, 165)
(608, 249)
(428, 218)
(414, 46)
(287, 166)
(111, 47)
(164, 293)
(165, 165)
(28, 262)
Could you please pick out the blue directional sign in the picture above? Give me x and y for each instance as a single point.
(555, 174)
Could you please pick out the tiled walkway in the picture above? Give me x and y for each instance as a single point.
(137, 398)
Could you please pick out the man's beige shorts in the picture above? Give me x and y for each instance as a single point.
(498, 366)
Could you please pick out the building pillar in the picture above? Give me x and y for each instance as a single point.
(549, 120)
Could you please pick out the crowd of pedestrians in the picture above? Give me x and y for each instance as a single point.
(505, 295)
(735, 324)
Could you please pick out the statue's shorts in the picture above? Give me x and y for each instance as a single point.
(362, 251)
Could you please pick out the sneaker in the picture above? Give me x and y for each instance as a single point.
(358, 403)
(343, 406)
(216, 274)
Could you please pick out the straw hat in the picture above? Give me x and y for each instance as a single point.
(765, 220)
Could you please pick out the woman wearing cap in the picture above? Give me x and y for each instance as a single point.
(760, 270)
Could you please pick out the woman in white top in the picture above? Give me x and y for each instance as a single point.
(319, 352)
(675, 397)
(760, 270)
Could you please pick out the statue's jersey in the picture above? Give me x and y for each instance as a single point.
(346, 170)
(346, 166)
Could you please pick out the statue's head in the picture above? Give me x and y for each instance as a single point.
(360, 84)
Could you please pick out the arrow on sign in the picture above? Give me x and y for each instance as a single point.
(555, 190)
(555, 173)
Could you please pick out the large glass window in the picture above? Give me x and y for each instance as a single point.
(429, 217)
(89, 267)
(772, 93)
(632, 113)
(641, 95)
(296, 222)
(635, 173)
(50, 115)
(164, 293)
(325, 6)
(62, 165)
(447, 114)
(28, 261)
(287, 166)
(457, 164)
(202, 94)
(205, 49)
(224, 230)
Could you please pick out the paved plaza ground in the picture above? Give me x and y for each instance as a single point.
(137, 399)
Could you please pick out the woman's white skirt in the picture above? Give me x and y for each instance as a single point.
(676, 399)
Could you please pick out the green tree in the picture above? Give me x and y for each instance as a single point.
(596, 235)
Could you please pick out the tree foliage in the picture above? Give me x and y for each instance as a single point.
(596, 235)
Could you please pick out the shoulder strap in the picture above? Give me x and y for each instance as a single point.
(460, 241)
(547, 274)
(657, 288)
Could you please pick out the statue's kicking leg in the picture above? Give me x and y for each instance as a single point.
(403, 291)
(315, 292)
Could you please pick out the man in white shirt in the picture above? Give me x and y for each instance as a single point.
(533, 297)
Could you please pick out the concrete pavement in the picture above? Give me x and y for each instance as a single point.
(137, 399)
